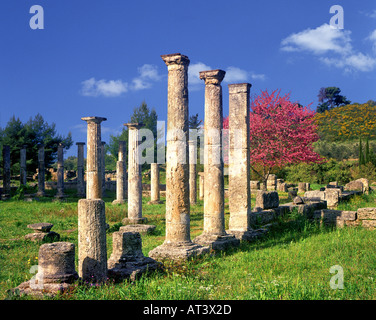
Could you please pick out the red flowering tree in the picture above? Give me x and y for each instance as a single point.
(281, 133)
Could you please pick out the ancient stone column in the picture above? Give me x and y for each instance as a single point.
(6, 172)
(23, 165)
(60, 171)
(134, 176)
(41, 171)
(201, 185)
(121, 171)
(214, 234)
(239, 162)
(154, 184)
(178, 244)
(92, 249)
(192, 171)
(103, 167)
(80, 170)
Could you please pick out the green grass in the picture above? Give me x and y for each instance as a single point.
(291, 262)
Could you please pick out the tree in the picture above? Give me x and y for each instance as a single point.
(140, 114)
(17, 134)
(281, 132)
(194, 122)
(329, 98)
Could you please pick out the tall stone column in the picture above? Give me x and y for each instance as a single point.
(80, 170)
(92, 248)
(23, 165)
(239, 162)
(154, 184)
(41, 171)
(60, 171)
(6, 172)
(201, 185)
(192, 171)
(103, 167)
(134, 177)
(121, 171)
(214, 234)
(178, 244)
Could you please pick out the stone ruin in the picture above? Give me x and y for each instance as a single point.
(42, 232)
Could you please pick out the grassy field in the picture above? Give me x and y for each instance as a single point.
(291, 262)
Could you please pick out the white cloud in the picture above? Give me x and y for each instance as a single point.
(321, 40)
(372, 38)
(332, 46)
(194, 70)
(111, 88)
(147, 74)
(114, 88)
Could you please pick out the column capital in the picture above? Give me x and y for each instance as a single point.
(239, 87)
(94, 119)
(80, 143)
(134, 125)
(175, 59)
(212, 76)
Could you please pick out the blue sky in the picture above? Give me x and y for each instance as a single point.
(102, 57)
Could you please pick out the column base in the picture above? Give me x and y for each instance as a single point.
(5, 197)
(249, 235)
(217, 242)
(119, 201)
(141, 228)
(155, 202)
(127, 221)
(178, 251)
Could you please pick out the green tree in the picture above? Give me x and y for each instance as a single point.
(330, 98)
(140, 114)
(17, 134)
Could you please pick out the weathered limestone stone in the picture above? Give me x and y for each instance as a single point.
(56, 270)
(336, 218)
(154, 184)
(41, 227)
(214, 234)
(42, 232)
(332, 196)
(315, 195)
(282, 187)
(333, 184)
(23, 165)
(178, 244)
(267, 199)
(80, 170)
(60, 171)
(271, 183)
(255, 185)
(6, 172)
(134, 176)
(302, 187)
(121, 175)
(366, 213)
(365, 184)
(103, 167)
(355, 185)
(92, 250)
(201, 185)
(292, 193)
(41, 171)
(127, 260)
(192, 172)
(93, 161)
(239, 170)
(140, 228)
(298, 200)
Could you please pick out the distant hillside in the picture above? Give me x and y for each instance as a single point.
(349, 122)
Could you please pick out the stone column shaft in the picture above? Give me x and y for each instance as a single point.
(60, 171)
(103, 167)
(121, 174)
(6, 171)
(214, 234)
(23, 166)
(201, 185)
(239, 158)
(41, 171)
(154, 184)
(192, 172)
(178, 244)
(134, 176)
(80, 170)
(93, 170)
